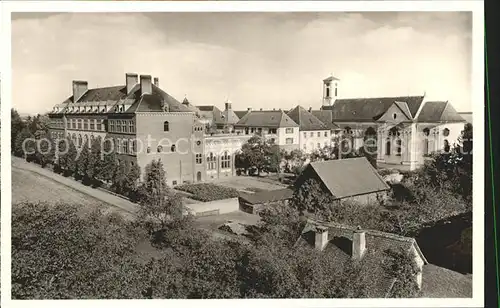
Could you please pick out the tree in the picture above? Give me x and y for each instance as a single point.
(17, 125)
(46, 149)
(67, 156)
(126, 178)
(159, 205)
(60, 252)
(253, 155)
(401, 266)
(311, 197)
(22, 148)
(82, 163)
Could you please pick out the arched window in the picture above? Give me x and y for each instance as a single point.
(446, 146)
(398, 147)
(426, 131)
(226, 161)
(172, 148)
(388, 147)
(211, 161)
(166, 126)
(159, 149)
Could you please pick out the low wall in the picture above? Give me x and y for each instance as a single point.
(215, 207)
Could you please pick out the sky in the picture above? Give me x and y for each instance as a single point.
(257, 60)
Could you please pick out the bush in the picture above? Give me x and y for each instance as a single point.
(208, 192)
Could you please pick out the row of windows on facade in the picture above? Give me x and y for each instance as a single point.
(318, 145)
(318, 134)
(225, 160)
(388, 147)
(121, 126)
(85, 124)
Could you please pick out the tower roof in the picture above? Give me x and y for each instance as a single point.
(331, 78)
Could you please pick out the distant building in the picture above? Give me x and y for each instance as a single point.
(313, 133)
(274, 125)
(352, 179)
(400, 130)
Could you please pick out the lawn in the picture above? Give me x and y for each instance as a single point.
(250, 183)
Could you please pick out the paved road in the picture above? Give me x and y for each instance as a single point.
(105, 197)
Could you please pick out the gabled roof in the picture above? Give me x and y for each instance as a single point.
(331, 78)
(241, 113)
(348, 177)
(306, 120)
(439, 112)
(439, 282)
(153, 102)
(369, 109)
(267, 118)
(190, 106)
(325, 116)
(404, 109)
(229, 117)
(467, 116)
(339, 247)
(267, 196)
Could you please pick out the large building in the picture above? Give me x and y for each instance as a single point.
(145, 123)
(400, 130)
(199, 143)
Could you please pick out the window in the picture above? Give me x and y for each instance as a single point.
(446, 146)
(272, 130)
(148, 150)
(326, 144)
(252, 130)
(79, 123)
(318, 145)
(226, 161)
(394, 116)
(289, 140)
(119, 126)
(272, 141)
(92, 124)
(111, 126)
(73, 123)
(289, 130)
(199, 159)
(80, 140)
(172, 148)
(388, 147)
(85, 124)
(211, 160)
(166, 126)
(99, 125)
(134, 146)
(305, 135)
(174, 183)
(124, 126)
(327, 91)
(446, 132)
(125, 146)
(159, 149)
(198, 142)
(326, 134)
(398, 149)
(426, 131)
(319, 134)
(311, 134)
(336, 90)
(426, 146)
(131, 127)
(304, 147)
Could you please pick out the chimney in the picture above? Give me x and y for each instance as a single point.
(260, 109)
(358, 244)
(310, 109)
(228, 106)
(321, 237)
(249, 109)
(79, 88)
(131, 80)
(146, 87)
(156, 81)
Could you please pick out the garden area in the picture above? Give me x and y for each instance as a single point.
(207, 192)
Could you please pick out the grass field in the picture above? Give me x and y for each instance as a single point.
(28, 186)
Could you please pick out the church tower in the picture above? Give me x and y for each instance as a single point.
(330, 90)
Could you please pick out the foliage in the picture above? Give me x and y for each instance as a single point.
(59, 253)
(17, 125)
(67, 156)
(126, 178)
(311, 197)
(45, 150)
(208, 192)
(402, 266)
(29, 147)
(258, 155)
